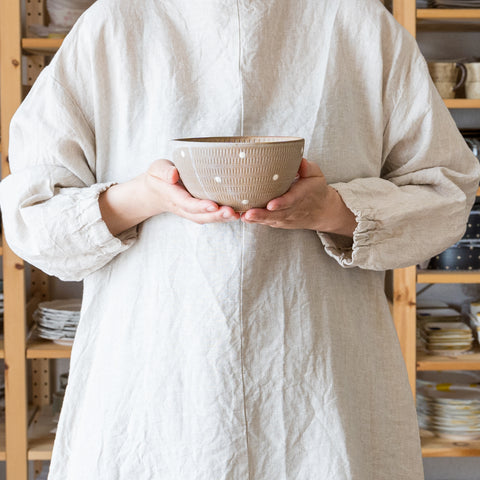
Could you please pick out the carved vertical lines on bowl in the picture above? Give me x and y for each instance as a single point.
(199, 177)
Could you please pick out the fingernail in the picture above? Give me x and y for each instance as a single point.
(226, 215)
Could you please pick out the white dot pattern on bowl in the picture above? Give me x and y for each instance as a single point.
(301, 150)
(245, 202)
(218, 179)
(275, 177)
(242, 154)
(182, 153)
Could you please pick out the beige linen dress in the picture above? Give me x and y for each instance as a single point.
(236, 351)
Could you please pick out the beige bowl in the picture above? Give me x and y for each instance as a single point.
(241, 172)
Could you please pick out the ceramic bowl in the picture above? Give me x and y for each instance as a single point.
(241, 172)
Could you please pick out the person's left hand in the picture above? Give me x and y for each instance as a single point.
(309, 204)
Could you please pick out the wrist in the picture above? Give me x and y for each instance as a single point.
(124, 205)
(144, 195)
(338, 218)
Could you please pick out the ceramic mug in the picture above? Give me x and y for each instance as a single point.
(445, 75)
(472, 83)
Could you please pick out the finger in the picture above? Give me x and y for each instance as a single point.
(309, 169)
(259, 215)
(187, 204)
(287, 200)
(184, 202)
(222, 215)
(164, 170)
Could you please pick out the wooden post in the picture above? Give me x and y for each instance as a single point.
(406, 13)
(404, 316)
(13, 267)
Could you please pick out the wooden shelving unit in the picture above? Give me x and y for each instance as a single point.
(26, 433)
(406, 280)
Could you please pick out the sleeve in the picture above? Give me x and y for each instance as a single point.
(420, 204)
(49, 201)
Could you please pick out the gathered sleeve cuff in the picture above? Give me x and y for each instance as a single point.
(49, 201)
(419, 204)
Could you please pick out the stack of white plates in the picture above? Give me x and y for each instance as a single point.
(58, 320)
(444, 337)
(436, 327)
(453, 412)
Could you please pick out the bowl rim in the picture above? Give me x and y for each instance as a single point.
(240, 140)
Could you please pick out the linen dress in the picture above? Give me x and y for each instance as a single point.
(236, 351)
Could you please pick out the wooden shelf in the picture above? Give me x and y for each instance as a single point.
(41, 46)
(462, 102)
(448, 20)
(448, 13)
(40, 437)
(443, 276)
(433, 446)
(38, 348)
(467, 361)
(2, 350)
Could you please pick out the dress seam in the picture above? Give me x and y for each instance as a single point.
(241, 346)
(240, 76)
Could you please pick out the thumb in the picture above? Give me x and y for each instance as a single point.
(164, 170)
(309, 169)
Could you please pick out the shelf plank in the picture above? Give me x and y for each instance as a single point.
(39, 348)
(443, 276)
(462, 102)
(448, 20)
(40, 437)
(448, 13)
(467, 361)
(2, 350)
(433, 446)
(41, 46)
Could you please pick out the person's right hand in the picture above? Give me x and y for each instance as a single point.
(156, 191)
(165, 193)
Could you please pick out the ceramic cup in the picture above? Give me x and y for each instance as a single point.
(472, 83)
(445, 76)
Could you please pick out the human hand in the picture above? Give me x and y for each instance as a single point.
(310, 203)
(163, 192)
(156, 191)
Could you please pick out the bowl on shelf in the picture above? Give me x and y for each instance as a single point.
(241, 172)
